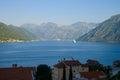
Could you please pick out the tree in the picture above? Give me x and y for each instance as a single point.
(64, 73)
(116, 77)
(43, 72)
(70, 73)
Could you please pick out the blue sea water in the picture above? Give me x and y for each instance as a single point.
(49, 52)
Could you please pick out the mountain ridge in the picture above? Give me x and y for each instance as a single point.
(10, 33)
(51, 31)
(107, 31)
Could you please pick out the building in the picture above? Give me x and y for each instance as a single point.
(17, 73)
(57, 72)
(98, 75)
(93, 62)
(116, 63)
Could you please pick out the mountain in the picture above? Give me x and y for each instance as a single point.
(51, 31)
(107, 31)
(10, 33)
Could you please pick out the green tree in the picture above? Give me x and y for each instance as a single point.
(70, 73)
(116, 77)
(43, 72)
(105, 69)
(64, 73)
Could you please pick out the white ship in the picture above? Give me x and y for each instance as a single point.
(74, 41)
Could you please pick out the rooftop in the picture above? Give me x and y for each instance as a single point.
(16, 73)
(93, 74)
(68, 63)
(92, 61)
(116, 62)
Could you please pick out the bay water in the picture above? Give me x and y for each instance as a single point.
(50, 52)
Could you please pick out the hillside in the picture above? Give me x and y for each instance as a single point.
(51, 31)
(9, 33)
(107, 31)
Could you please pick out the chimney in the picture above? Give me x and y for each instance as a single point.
(64, 59)
(14, 65)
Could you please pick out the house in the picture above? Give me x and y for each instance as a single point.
(93, 62)
(75, 65)
(17, 73)
(98, 75)
(116, 63)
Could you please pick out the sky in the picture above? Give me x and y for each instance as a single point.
(62, 12)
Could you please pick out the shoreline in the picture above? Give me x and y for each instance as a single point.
(16, 40)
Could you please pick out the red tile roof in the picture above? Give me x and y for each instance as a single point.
(18, 73)
(93, 62)
(116, 62)
(68, 63)
(84, 65)
(93, 74)
(89, 61)
(102, 79)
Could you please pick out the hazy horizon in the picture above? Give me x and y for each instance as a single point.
(62, 12)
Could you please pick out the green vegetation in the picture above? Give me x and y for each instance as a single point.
(118, 65)
(23, 34)
(64, 73)
(105, 69)
(14, 33)
(43, 72)
(70, 73)
(116, 77)
(108, 31)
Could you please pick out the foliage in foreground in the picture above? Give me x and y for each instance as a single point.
(43, 72)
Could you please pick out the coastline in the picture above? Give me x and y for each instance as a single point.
(16, 40)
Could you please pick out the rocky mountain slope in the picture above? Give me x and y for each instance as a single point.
(107, 31)
(51, 31)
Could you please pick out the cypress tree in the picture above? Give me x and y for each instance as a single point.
(70, 73)
(64, 73)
